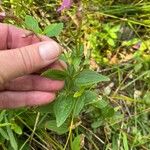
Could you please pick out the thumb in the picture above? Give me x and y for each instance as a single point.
(21, 61)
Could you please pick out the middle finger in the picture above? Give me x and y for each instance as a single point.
(33, 82)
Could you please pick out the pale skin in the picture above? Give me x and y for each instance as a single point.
(22, 59)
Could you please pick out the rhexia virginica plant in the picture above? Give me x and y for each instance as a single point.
(79, 82)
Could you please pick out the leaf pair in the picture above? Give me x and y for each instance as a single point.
(51, 30)
(64, 104)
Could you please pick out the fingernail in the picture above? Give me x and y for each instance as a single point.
(49, 50)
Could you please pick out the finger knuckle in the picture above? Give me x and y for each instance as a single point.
(27, 61)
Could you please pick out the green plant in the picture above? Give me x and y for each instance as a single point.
(79, 84)
(78, 78)
(88, 114)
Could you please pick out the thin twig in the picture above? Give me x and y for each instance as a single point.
(93, 134)
(35, 125)
(37, 142)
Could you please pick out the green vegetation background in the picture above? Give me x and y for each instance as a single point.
(116, 42)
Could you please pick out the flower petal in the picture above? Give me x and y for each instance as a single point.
(65, 4)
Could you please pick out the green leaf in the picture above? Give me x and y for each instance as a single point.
(125, 141)
(106, 27)
(76, 144)
(53, 29)
(113, 35)
(17, 129)
(111, 42)
(32, 24)
(76, 62)
(130, 42)
(101, 104)
(62, 108)
(4, 134)
(45, 108)
(51, 125)
(137, 67)
(108, 112)
(12, 139)
(106, 109)
(55, 74)
(114, 142)
(89, 77)
(115, 28)
(90, 97)
(145, 45)
(79, 93)
(147, 98)
(99, 122)
(79, 105)
(2, 114)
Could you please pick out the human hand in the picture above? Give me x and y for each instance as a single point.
(20, 59)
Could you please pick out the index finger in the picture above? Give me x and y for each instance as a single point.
(12, 37)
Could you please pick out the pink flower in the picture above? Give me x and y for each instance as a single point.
(137, 45)
(65, 4)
